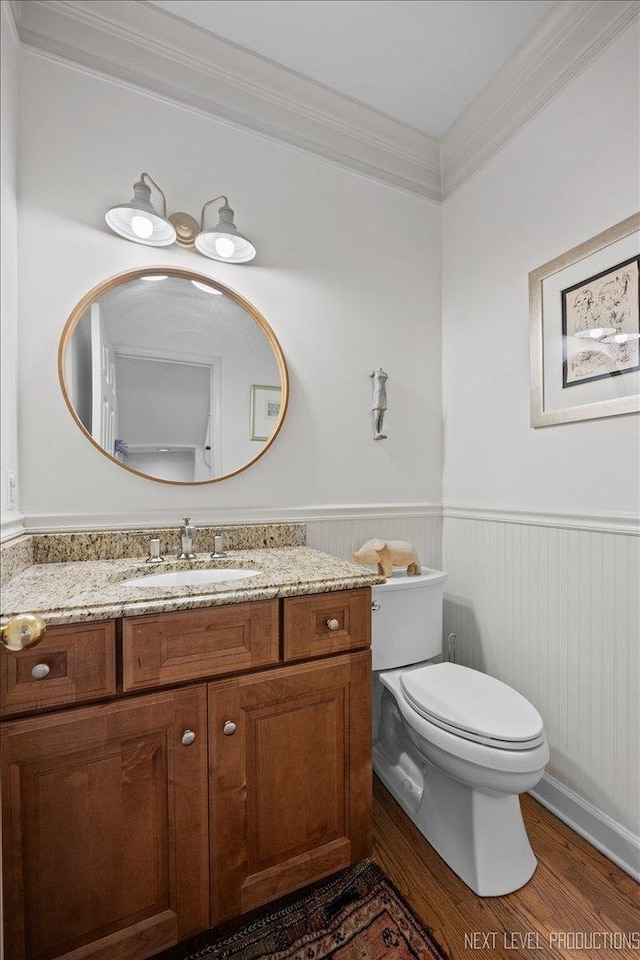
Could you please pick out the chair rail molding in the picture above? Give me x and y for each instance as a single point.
(11, 526)
(146, 48)
(596, 521)
(57, 523)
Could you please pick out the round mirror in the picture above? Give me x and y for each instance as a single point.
(173, 375)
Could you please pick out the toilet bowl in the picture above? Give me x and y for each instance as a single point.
(454, 746)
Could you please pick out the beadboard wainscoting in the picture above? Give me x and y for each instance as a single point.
(551, 607)
(340, 536)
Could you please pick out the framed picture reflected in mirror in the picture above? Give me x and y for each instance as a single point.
(265, 410)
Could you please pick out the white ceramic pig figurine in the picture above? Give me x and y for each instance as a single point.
(389, 554)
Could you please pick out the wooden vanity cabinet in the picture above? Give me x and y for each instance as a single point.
(135, 823)
(105, 830)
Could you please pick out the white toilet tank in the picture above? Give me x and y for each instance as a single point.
(407, 619)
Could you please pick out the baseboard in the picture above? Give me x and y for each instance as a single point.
(611, 838)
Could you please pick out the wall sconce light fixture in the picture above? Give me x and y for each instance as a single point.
(140, 222)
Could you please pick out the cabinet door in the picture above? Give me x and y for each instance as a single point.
(291, 785)
(105, 829)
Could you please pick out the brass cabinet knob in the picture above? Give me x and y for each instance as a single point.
(23, 631)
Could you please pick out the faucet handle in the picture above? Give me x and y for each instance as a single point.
(217, 546)
(154, 551)
(154, 546)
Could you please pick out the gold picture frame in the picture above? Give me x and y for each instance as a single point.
(597, 255)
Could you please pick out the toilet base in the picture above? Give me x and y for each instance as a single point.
(479, 833)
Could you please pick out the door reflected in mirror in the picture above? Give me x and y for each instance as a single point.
(173, 376)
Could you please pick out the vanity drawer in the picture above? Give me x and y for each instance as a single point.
(168, 648)
(81, 662)
(327, 623)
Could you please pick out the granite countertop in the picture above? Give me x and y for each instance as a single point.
(73, 592)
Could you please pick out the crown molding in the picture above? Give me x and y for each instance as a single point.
(10, 14)
(568, 39)
(143, 46)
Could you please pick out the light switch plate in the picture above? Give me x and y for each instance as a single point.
(11, 489)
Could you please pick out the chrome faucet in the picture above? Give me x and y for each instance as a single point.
(187, 533)
(217, 547)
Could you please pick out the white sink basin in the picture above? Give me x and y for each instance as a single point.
(190, 578)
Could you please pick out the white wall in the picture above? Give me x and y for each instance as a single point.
(572, 172)
(162, 403)
(551, 610)
(348, 275)
(9, 268)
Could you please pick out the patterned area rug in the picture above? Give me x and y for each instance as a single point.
(357, 915)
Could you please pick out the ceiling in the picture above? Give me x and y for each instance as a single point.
(419, 61)
(171, 317)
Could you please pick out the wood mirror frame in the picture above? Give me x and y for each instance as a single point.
(96, 292)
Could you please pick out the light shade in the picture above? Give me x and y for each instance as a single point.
(594, 333)
(205, 287)
(139, 221)
(621, 338)
(224, 242)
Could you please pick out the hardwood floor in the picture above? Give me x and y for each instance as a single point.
(575, 889)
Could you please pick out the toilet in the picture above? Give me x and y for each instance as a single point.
(454, 746)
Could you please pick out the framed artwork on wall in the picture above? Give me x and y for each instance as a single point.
(585, 329)
(265, 410)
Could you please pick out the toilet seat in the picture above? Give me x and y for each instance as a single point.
(473, 706)
(451, 744)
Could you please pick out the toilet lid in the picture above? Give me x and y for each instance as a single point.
(473, 705)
